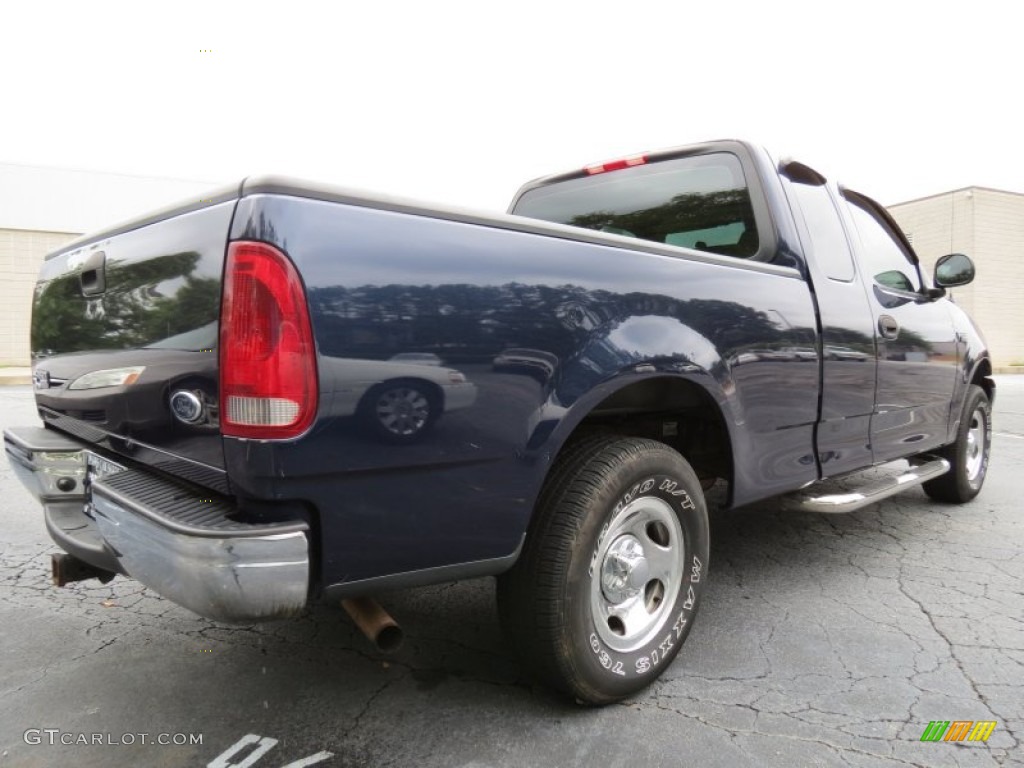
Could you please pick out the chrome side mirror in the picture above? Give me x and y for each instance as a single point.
(953, 269)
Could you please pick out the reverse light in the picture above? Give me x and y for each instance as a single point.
(268, 386)
(109, 377)
(616, 165)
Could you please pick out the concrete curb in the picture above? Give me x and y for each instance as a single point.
(15, 376)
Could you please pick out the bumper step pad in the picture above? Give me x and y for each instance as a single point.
(181, 509)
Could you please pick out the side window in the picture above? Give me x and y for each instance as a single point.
(829, 246)
(883, 257)
(700, 201)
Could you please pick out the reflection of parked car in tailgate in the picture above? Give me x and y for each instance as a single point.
(396, 401)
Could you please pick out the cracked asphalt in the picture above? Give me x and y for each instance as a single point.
(822, 641)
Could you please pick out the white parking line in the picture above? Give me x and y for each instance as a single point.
(262, 744)
(1008, 434)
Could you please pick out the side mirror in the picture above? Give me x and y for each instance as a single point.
(953, 269)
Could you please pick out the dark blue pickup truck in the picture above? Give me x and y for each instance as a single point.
(286, 393)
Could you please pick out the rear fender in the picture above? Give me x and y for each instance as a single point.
(554, 425)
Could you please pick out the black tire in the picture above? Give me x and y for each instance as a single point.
(582, 563)
(968, 456)
(420, 405)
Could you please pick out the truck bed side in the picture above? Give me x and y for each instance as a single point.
(614, 330)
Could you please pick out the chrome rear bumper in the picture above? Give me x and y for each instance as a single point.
(190, 548)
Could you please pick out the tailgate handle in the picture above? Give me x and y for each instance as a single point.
(93, 276)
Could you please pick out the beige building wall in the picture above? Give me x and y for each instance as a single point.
(987, 225)
(21, 254)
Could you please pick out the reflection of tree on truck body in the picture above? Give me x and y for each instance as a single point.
(727, 211)
(131, 313)
(465, 323)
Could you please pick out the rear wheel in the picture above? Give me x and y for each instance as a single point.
(968, 455)
(606, 589)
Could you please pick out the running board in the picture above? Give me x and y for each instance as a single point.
(841, 503)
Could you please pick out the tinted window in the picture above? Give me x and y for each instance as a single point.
(829, 247)
(697, 202)
(883, 258)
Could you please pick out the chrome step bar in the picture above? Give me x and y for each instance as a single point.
(841, 503)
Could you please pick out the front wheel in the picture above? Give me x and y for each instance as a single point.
(968, 455)
(613, 570)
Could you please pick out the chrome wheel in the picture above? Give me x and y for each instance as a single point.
(402, 411)
(611, 577)
(968, 455)
(636, 573)
(977, 445)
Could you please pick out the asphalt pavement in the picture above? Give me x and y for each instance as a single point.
(822, 641)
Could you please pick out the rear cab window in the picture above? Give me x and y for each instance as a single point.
(701, 202)
(827, 238)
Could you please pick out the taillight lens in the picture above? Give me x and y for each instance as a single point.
(268, 386)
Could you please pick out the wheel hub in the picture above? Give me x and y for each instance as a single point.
(974, 455)
(638, 571)
(625, 569)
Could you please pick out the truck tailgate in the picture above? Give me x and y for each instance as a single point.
(124, 340)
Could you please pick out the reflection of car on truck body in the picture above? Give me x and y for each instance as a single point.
(837, 352)
(420, 358)
(397, 401)
(808, 354)
(533, 362)
(752, 328)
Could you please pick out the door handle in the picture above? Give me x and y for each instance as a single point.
(93, 275)
(888, 327)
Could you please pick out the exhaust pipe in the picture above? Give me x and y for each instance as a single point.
(374, 622)
(65, 569)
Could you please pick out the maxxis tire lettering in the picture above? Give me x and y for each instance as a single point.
(645, 664)
(607, 657)
(680, 624)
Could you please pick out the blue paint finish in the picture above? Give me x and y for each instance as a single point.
(588, 319)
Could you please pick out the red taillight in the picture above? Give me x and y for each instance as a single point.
(268, 386)
(616, 165)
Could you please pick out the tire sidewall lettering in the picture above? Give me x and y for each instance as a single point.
(654, 655)
(960, 469)
(986, 448)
